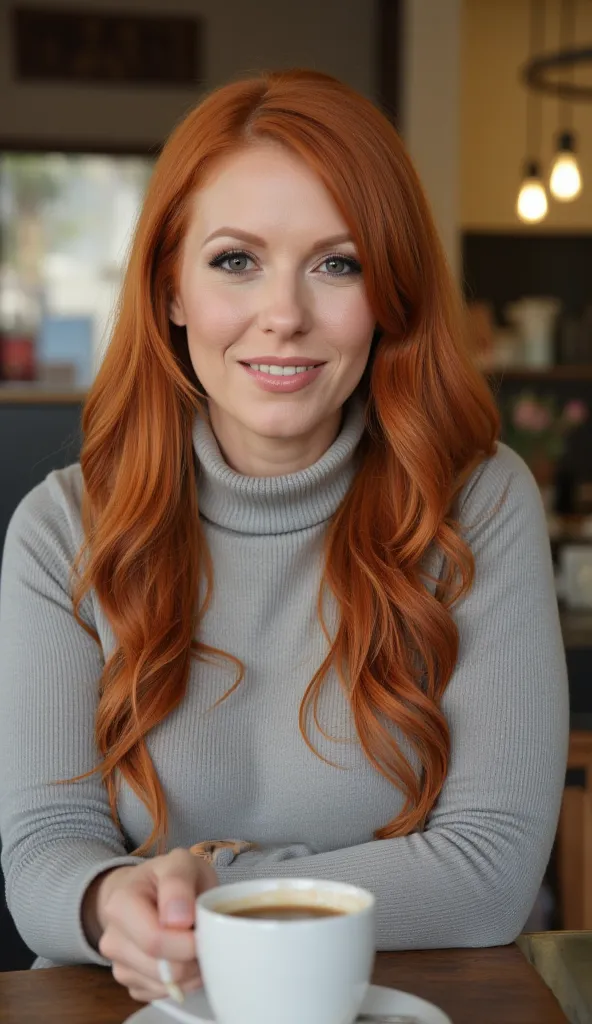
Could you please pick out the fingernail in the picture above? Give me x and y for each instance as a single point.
(176, 993)
(177, 912)
(166, 976)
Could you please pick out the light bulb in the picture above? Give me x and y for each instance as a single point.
(532, 202)
(566, 181)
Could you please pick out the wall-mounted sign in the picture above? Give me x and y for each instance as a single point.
(110, 48)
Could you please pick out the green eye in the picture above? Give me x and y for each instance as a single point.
(233, 262)
(341, 266)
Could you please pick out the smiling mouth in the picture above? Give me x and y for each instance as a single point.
(275, 370)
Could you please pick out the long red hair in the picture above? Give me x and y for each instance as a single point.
(430, 420)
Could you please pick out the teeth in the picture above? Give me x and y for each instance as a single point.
(280, 371)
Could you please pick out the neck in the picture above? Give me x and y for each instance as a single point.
(276, 504)
(255, 455)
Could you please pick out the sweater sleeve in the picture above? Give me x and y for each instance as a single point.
(55, 839)
(471, 877)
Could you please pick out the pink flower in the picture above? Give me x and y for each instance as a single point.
(528, 415)
(544, 418)
(524, 414)
(575, 412)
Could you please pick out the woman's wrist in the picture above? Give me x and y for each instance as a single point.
(94, 901)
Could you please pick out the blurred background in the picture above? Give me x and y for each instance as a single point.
(494, 101)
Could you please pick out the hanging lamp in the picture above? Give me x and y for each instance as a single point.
(532, 204)
(565, 181)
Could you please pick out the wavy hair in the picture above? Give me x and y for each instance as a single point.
(430, 420)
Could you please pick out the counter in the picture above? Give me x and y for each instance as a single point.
(33, 394)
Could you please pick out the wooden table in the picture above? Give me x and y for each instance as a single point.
(474, 986)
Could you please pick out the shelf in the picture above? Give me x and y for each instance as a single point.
(570, 528)
(576, 628)
(583, 372)
(39, 394)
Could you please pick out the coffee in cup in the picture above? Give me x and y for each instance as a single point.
(294, 951)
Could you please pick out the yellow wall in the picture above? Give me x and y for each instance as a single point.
(430, 109)
(493, 117)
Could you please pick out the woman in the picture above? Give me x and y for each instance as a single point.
(343, 547)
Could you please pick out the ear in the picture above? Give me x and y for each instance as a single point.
(177, 313)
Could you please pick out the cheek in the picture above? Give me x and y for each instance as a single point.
(349, 319)
(214, 317)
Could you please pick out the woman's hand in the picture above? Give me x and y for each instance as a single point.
(145, 914)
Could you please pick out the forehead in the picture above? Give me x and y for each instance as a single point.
(265, 188)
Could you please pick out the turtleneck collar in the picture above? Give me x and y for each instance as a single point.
(277, 504)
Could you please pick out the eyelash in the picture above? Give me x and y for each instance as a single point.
(216, 261)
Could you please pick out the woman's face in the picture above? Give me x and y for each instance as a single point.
(269, 276)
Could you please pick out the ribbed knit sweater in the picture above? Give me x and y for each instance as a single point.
(243, 770)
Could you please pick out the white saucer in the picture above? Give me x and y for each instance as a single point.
(195, 1009)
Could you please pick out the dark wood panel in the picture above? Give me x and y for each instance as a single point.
(502, 267)
(390, 57)
(108, 48)
(36, 438)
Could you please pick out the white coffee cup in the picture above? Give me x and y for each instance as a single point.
(309, 971)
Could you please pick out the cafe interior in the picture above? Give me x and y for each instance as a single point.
(494, 101)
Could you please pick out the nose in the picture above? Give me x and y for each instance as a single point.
(284, 308)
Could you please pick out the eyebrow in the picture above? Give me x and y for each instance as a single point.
(247, 236)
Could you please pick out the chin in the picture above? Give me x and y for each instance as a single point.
(282, 426)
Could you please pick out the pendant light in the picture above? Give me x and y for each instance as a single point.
(532, 204)
(565, 181)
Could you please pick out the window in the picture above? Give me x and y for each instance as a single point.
(66, 223)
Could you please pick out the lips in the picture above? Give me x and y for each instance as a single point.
(280, 384)
(291, 361)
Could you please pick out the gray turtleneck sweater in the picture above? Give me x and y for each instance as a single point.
(243, 770)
